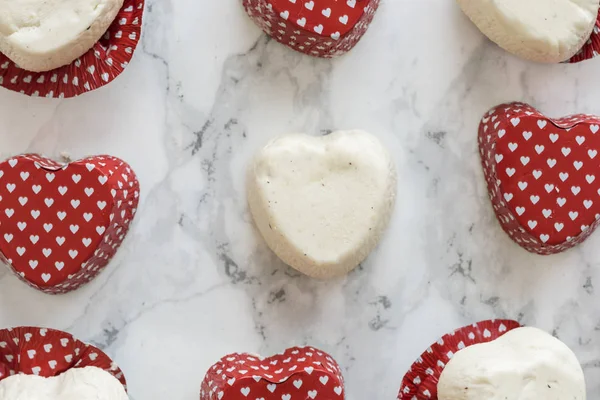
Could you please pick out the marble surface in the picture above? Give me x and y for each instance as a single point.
(194, 280)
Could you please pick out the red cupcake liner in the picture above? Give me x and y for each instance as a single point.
(96, 68)
(48, 353)
(300, 373)
(420, 382)
(591, 48)
(542, 175)
(319, 28)
(60, 224)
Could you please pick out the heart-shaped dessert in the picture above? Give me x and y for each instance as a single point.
(322, 203)
(300, 373)
(48, 353)
(421, 381)
(60, 224)
(321, 28)
(542, 175)
(535, 29)
(41, 36)
(47, 36)
(525, 363)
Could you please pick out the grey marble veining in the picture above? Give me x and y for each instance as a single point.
(194, 280)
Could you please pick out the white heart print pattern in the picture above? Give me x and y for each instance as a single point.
(298, 373)
(541, 175)
(321, 28)
(62, 223)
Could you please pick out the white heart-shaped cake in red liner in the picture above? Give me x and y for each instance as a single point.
(299, 373)
(320, 28)
(60, 223)
(100, 65)
(48, 353)
(421, 381)
(559, 31)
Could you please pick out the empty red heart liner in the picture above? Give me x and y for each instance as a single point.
(591, 48)
(320, 28)
(420, 382)
(300, 373)
(60, 224)
(48, 353)
(99, 66)
(542, 175)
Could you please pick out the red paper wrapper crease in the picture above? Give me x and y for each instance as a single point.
(96, 68)
(300, 373)
(420, 382)
(320, 28)
(60, 224)
(48, 352)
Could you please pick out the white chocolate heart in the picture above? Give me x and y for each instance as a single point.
(40, 35)
(537, 30)
(322, 203)
(89, 383)
(524, 364)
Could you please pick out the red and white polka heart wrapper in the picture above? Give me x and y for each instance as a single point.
(321, 28)
(543, 175)
(591, 47)
(60, 224)
(96, 68)
(420, 382)
(48, 353)
(300, 373)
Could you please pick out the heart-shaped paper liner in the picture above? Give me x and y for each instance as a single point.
(420, 382)
(591, 48)
(320, 28)
(48, 352)
(300, 373)
(60, 224)
(541, 175)
(96, 68)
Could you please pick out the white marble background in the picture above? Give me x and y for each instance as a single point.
(194, 281)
